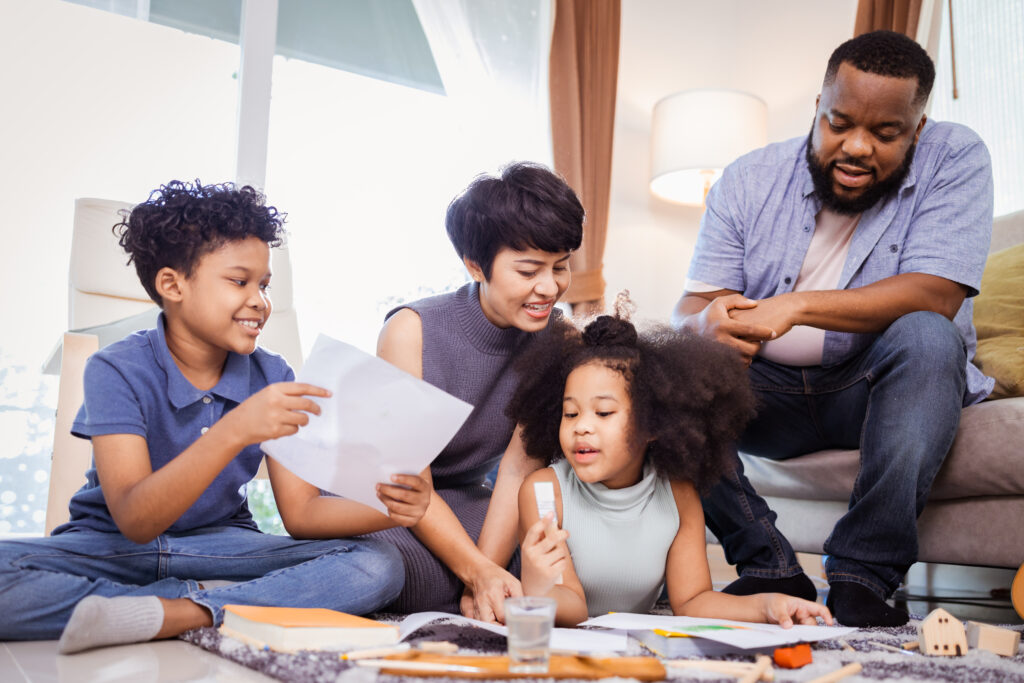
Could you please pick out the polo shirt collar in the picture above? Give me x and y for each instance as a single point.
(233, 384)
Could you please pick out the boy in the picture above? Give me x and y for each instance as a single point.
(160, 536)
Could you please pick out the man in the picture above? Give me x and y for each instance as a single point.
(841, 267)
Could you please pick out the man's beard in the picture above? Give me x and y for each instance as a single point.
(823, 179)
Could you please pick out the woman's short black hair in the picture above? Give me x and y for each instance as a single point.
(181, 222)
(525, 206)
(691, 396)
(886, 53)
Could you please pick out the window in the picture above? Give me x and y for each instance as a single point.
(990, 82)
(367, 145)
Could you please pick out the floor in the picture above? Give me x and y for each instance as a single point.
(38, 661)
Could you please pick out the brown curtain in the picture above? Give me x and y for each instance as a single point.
(891, 15)
(583, 73)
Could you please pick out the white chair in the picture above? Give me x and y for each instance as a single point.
(107, 302)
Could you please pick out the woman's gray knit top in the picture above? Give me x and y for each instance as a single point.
(618, 538)
(470, 358)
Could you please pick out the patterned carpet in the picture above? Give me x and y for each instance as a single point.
(871, 647)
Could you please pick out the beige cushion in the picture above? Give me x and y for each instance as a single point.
(999, 320)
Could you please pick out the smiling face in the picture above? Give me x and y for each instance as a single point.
(597, 426)
(224, 304)
(523, 287)
(863, 137)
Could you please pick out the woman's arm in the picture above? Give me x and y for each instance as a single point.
(498, 535)
(689, 578)
(546, 555)
(401, 344)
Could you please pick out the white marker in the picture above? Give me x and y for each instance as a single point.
(544, 492)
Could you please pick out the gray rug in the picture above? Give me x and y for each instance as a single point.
(870, 648)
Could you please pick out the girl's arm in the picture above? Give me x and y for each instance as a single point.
(546, 555)
(307, 514)
(689, 578)
(401, 344)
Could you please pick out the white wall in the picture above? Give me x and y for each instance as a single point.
(775, 50)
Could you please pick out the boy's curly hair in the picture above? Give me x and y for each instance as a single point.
(182, 222)
(691, 396)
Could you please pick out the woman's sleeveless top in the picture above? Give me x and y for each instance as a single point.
(469, 357)
(619, 538)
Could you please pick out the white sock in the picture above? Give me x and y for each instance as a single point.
(96, 622)
(210, 584)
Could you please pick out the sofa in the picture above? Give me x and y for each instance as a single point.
(975, 512)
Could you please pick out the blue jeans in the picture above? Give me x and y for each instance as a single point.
(42, 579)
(899, 402)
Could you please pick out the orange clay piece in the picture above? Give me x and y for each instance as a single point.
(793, 657)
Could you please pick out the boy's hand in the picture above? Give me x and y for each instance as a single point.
(277, 410)
(785, 610)
(545, 556)
(407, 502)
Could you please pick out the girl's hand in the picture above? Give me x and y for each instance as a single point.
(545, 556)
(406, 499)
(785, 610)
(488, 589)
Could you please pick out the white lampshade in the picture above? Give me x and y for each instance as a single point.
(697, 133)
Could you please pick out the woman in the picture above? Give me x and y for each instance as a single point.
(514, 233)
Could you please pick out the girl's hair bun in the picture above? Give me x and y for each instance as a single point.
(607, 330)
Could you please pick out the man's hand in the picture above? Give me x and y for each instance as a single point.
(277, 410)
(407, 499)
(716, 321)
(777, 313)
(545, 556)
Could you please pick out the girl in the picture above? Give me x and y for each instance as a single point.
(631, 426)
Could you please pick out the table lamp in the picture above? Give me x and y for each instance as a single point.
(697, 133)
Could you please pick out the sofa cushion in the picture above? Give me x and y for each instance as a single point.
(986, 460)
(999, 320)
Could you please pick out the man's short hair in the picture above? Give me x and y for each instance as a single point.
(182, 222)
(886, 53)
(526, 206)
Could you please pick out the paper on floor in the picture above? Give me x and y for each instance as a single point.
(736, 633)
(378, 422)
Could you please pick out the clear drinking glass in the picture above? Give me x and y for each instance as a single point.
(529, 622)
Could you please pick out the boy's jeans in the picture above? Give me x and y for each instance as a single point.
(899, 401)
(42, 579)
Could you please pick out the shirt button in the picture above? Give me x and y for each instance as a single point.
(807, 228)
(788, 280)
(204, 430)
(206, 399)
(893, 248)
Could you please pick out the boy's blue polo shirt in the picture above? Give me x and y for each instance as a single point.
(134, 387)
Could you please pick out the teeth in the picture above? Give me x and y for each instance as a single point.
(249, 323)
(537, 307)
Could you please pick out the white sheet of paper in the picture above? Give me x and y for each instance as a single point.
(378, 422)
(576, 639)
(738, 633)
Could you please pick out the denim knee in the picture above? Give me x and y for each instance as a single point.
(382, 560)
(928, 341)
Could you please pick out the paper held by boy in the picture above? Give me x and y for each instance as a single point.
(379, 421)
(739, 634)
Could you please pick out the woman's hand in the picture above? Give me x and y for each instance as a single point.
(545, 556)
(785, 610)
(488, 589)
(406, 499)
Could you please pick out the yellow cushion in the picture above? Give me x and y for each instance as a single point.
(999, 320)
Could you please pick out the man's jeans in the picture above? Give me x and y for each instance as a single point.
(899, 401)
(42, 579)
